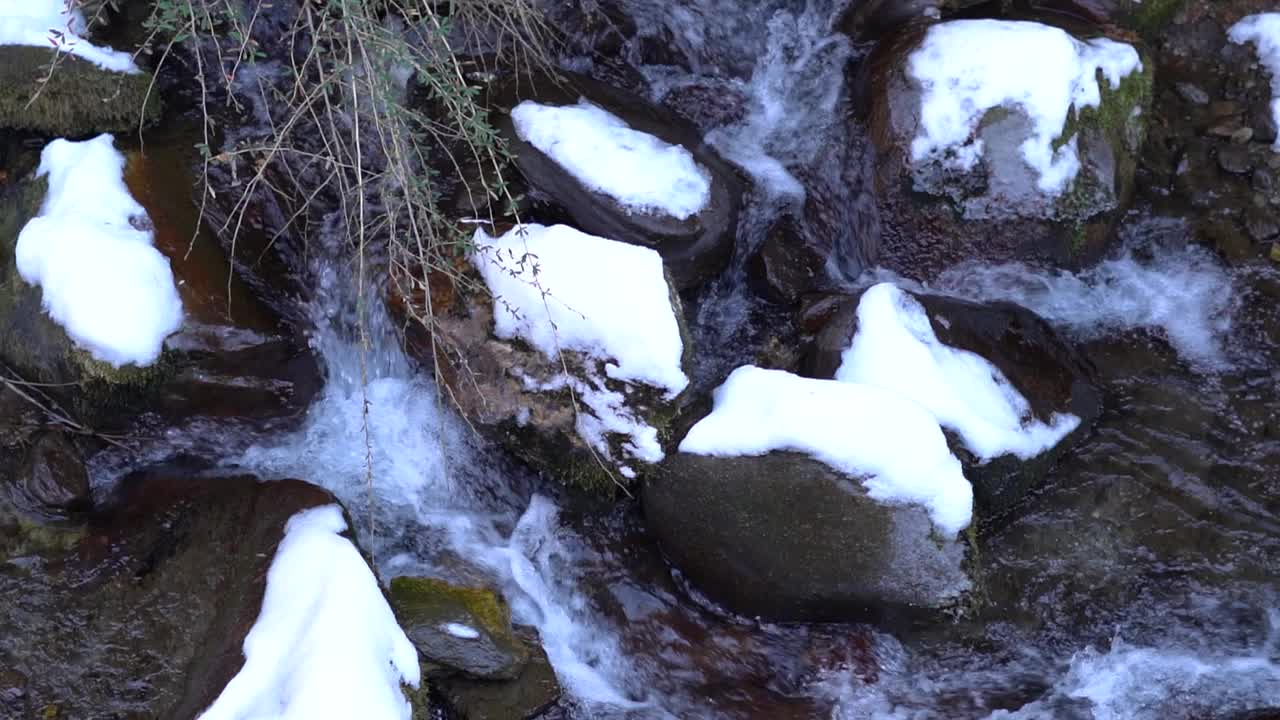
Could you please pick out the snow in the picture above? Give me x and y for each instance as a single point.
(891, 442)
(102, 279)
(326, 645)
(1263, 30)
(895, 348)
(52, 24)
(561, 289)
(458, 630)
(641, 172)
(967, 67)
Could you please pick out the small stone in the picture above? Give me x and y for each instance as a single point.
(1261, 224)
(1275, 252)
(1242, 136)
(1193, 94)
(1234, 159)
(1224, 108)
(1225, 129)
(1264, 181)
(466, 630)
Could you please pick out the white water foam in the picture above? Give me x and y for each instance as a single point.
(1185, 295)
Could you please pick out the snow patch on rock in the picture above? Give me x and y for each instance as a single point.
(326, 645)
(102, 279)
(57, 25)
(967, 67)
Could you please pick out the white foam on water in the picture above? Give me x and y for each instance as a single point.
(793, 96)
(1185, 295)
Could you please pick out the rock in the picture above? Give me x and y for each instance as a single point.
(522, 399)
(1262, 225)
(697, 249)
(1234, 159)
(1046, 369)
(1192, 94)
(78, 98)
(936, 215)
(1225, 237)
(53, 481)
(232, 357)
(146, 615)
(790, 262)
(874, 18)
(528, 696)
(466, 630)
(13, 694)
(1242, 136)
(784, 537)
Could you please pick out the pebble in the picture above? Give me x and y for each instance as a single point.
(1234, 159)
(1275, 252)
(1242, 136)
(1193, 94)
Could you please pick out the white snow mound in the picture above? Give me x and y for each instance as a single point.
(889, 441)
(641, 172)
(561, 289)
(967, 67)
(1263, 31)
(326, 645)
(102, 280)
(895, 348)
(53, 24)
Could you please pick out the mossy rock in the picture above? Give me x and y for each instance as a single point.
(78, 98)
(459, 629)
(527, 696)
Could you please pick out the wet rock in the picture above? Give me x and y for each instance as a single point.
(78, 98)
(466, 630)
(1044, 367)
(785, 537)
(533, 405)
(1226, 237)
(874, 18)
(790, 262)
(1192, 93)
(146, 615)
(1235, 159)
(1262, 225)
(936, 214)
(528, 696)
(232, 356)
(696, 249)
(53, 481)
(13, 694)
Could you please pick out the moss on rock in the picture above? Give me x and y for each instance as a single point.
(427, 608)
(77, 98)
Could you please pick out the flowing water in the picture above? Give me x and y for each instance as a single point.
(1140, 583)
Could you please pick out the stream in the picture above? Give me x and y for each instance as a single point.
(1139, 583)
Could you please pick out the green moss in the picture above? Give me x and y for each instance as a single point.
(1150, 17)
(414, 597)
(77, 98)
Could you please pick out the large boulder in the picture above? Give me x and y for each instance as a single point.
(145, 613)
(968, 168)
(785, 537)
(1045, 368)
(696, 248)
(75, 98)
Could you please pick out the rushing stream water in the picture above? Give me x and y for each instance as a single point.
(1140, 585)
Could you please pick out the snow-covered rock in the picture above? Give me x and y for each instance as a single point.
(1011, 392)
(90, 251)
(1002, 140)
(573, 354)
(1263, 31)
(326, 644)
(625, 169)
